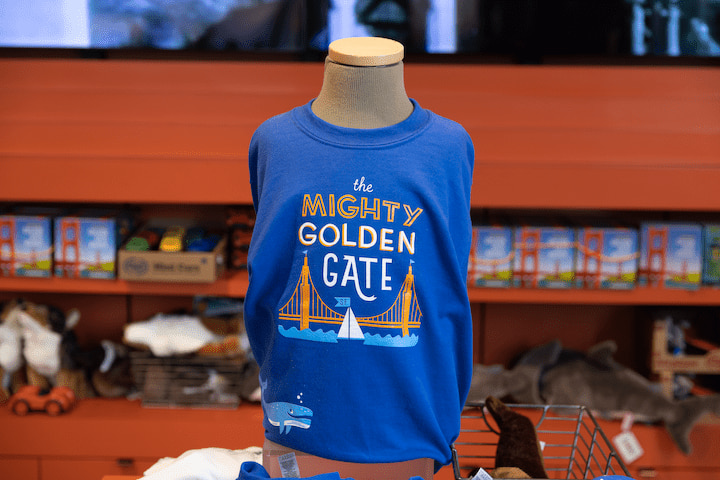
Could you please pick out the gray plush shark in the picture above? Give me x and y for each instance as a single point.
(550, 374)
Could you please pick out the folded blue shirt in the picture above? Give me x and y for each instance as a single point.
(255, 471)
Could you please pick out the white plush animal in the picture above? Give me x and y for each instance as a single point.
(167, 335)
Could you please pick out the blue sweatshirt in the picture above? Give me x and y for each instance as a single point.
(357, 309)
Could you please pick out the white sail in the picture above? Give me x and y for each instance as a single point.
(350, 329)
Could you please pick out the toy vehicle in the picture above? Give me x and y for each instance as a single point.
(31, 398)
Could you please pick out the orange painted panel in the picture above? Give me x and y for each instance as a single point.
(19, 468)
(511, 330)
(178, 132)
(118, 428)
(92, 469)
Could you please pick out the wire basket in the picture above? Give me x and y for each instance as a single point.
(574, 445)
(188, 381)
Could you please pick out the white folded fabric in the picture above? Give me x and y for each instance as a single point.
(203, 464)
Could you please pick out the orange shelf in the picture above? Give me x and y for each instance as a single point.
(232, 284)
(119, 428)
(638, 296)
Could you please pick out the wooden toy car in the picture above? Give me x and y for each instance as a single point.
(31, 398)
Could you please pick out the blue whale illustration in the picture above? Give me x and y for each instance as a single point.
(285, 415)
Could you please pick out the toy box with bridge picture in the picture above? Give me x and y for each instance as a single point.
(544, 257)
(573, 444)
(670, 255)
(490, 263)
(86, 244)
(711, 255)
(607, 258)
(25, 246)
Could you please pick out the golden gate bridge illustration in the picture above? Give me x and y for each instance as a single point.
(595, 266)
(12, 261)
(307, 308)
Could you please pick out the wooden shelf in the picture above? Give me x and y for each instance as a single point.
(117, 428)
(232, 284)
(177, 133)
(638, 296)
(100, 428)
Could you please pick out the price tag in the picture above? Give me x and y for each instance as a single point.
(628, 446)
(481, 475)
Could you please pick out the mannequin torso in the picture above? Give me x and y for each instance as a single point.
(363, 88)
(363, 84)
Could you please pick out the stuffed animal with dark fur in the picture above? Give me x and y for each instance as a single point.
(550, 374)
(518, 446)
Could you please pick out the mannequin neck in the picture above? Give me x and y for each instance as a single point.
(362, 97)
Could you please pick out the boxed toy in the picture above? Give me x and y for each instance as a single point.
(711, 254)
(607, 258)
(544, 257)
(199, 259)
(26, 245)
(670, 255)
(86, 243)
(490, 263)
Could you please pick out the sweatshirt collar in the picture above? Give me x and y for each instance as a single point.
(316, 127)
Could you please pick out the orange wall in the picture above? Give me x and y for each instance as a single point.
(178, 131)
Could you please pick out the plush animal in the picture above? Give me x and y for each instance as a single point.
(106, 369)
(509, 472)
(38, 347)
(519, 384)
(11, 358)
(169, 334)
(46, 335)
(593, 379)
(518, 446)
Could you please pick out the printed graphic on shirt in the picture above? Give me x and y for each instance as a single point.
(285, 415)
(382, 232)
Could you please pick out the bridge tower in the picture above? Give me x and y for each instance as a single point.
(593, 251)
(530, 244)
(657, 247)
(407, 291)
(305, 296)
(7, 244)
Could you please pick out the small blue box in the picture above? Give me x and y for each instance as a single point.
(670, 255)
(26, 246)
(490, 262)
(711, 254)
(86, 244)
(607, 258)
(544, 257)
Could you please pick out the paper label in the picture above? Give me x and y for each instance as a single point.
(628, 446)
(627, 421)
(481, 475)
(288, 465)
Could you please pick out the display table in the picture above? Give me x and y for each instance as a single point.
(101, 437)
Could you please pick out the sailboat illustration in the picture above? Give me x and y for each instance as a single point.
(350, 329)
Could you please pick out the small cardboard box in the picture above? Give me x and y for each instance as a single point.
(186, 267)
(26, 246)
(670, 255)
(86, 243)
(607, 258)
(711, 254)
(544, 257)
(491, 256)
